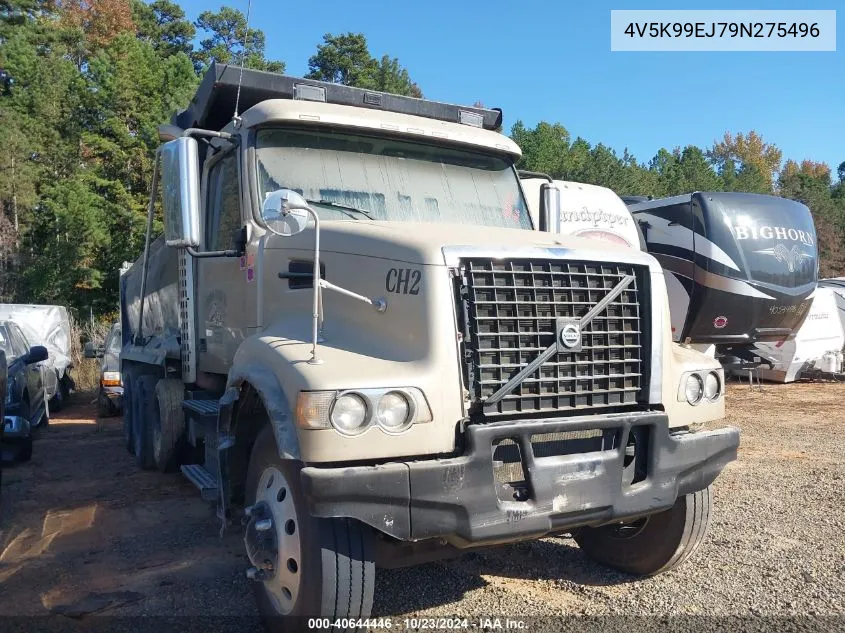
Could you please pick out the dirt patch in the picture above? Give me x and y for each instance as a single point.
(84, 532)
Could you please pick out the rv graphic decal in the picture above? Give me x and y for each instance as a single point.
(773, 232)
(788, 256)
(663, 231)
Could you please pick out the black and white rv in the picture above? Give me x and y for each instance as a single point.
(740, 267)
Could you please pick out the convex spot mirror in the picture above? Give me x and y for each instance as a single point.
(285, 212)
(180, 191)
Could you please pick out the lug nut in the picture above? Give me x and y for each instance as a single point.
(263, 525)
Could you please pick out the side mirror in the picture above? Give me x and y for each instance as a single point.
(549, 208)
(285, 212)
(92, 351)
(181, 192)
(36, 354)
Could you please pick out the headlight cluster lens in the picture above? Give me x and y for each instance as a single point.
(712, 386)
(394, 411)
(353, 412)
(699, 386)
(694, 388)
(349, 414)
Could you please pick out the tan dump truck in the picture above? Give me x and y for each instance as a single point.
(456, 379)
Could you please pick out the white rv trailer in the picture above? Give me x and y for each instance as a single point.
(817, 346)
(582, 210)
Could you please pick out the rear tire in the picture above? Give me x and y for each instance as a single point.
(104, 406)
(332, 574)
(169, 424)
(128, 380)
(57, 402)
(653, 544)
(145, 413)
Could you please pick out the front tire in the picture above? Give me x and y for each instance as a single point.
(25, 452)
(323, 568)
(653, 544)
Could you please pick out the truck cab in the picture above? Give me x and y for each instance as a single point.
(352, 338)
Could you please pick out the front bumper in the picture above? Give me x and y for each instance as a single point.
(460, 500)
(16, 427)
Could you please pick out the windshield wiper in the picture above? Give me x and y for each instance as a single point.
(343, 208)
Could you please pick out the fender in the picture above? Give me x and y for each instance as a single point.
(247, 368)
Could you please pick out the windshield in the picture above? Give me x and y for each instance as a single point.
(776, 237)
(389, 179)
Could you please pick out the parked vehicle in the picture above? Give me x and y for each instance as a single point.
(740, 267)
(25, 401)
(816, 348)
(49, 326)
(3, 372)
(110, 390)
(581, 210)
(351, 338)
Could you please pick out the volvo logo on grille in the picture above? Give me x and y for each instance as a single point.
(569, 335)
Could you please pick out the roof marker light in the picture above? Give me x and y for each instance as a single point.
(304, 92)
(470, 118)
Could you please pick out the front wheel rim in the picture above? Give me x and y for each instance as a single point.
(284, 585)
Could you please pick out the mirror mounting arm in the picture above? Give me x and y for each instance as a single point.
(201, 254)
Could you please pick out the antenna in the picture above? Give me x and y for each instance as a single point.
(235, 116)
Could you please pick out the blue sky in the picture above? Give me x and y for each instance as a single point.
(552, 61)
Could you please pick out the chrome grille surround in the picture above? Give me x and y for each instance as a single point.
(507, 314)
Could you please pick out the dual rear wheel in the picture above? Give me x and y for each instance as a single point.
(153, 421)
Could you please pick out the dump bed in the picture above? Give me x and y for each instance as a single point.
(161, 305)
(214, 102)
(740, 267)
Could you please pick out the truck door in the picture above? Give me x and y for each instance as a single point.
(225, 294)
(34, 372)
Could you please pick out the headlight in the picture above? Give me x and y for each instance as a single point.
(352, 412)
(694, 388)
(394, 411)
(712, 386)
(111, 379)
(349, 414)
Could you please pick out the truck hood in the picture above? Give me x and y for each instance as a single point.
(424, 244)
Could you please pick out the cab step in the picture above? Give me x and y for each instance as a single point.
(202, 479)
(203, 411)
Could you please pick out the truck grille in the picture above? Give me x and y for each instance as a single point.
(507, 312)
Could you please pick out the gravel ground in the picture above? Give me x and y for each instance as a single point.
(83, 532)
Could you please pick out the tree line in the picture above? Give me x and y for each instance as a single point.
(85, 83)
